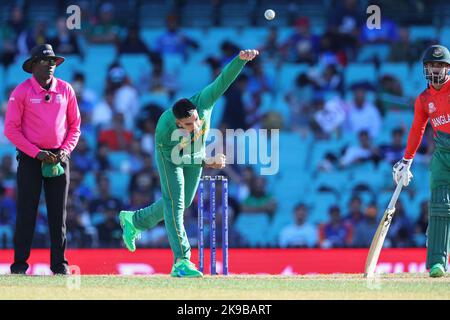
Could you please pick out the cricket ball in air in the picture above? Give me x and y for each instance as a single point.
(269, 14)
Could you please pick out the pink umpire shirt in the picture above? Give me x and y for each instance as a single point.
(33, 124)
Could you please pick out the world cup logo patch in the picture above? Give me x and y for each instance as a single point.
(431, 107)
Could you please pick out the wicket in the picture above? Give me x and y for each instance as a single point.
(212, 220)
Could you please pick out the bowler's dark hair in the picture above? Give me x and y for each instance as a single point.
(183, 108)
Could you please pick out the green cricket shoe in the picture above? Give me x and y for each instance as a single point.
(130, 232)
(437, 271)
(185, 269)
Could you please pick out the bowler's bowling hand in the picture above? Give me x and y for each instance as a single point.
(62, 155)
(217, 162)
(46, 157)
(248, 55)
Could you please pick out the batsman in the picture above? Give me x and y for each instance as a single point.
(183, 127)
(433, 104)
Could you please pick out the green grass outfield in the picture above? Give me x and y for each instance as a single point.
(159, 287)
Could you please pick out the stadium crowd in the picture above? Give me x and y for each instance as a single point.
(113, 166)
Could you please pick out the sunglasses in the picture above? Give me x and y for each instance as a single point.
(47, 62)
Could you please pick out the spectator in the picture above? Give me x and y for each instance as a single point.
(345, 21)
(82, 158)
(9, 36)
(355, 214)
(364, 152)
(173, 42)
(126, 98)
(104, 30)
(159, 80)
(133, 44)
(328, 117)
(335, 233)
(404, 50)
(259, 201)
(136, 158)
(301, 46)
(7, 218)
(81, 192)
(332, 50)
(102, 114)
(109, 231)
(234, 114)
(102, 162)
(8, 171)
(330, 80)
(421, 225)
(33, 36)
(104, 199)
(271, 47)
(228, 50)
(86, 97)
(389, 33)
(400, 231)
(65, 42)
(299, 100)
(117, 138)
(144, 181)
(390, 95)
(146, 122)
(394, 151)
(362, 114)
(77, 233)
(259, 81)
(365, 231)
(301, 233)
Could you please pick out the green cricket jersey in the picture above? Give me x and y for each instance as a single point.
(204, 101)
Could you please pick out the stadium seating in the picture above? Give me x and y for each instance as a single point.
(358, 72)
(256, 234)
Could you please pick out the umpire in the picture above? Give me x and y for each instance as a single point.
(43, 122)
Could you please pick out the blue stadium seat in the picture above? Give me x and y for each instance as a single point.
(398, 119)
(194, 77)
(445, 36)
(359, 72)
(150, 35)
(161, 98)
(7, 149)
(252, 38)
(369, 51)
(71, 64)
(253, 228)
(14, 74)
(135, 65)
(118, 159)
(427, 32)
(320, 204)
(416, 82)
(119, 184)
(288, 74)
(399, 70)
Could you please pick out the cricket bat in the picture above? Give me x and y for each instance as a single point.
(380, 234)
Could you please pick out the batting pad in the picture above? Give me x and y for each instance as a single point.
(438, 233)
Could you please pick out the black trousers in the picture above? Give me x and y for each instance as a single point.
(29, 187)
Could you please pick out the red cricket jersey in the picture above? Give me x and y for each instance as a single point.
(434, 105)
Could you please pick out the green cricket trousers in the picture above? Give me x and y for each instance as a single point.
(178, 186)
(438, 232)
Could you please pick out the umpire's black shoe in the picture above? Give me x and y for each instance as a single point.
(19, 268)
(61, 271)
